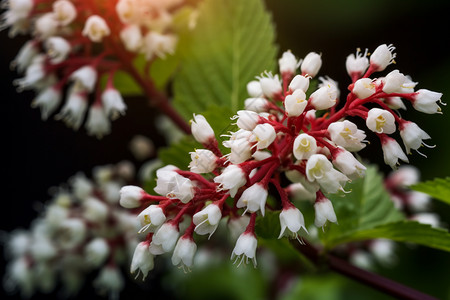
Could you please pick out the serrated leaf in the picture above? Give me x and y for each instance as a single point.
(232, 42)
(366, 207)
(439, 188)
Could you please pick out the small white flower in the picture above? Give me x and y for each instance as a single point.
(270, 85)
(257, 105)
(157, 44)
(264, 135)
(184, 252)
(113, 103)
(43, 249)
(232, 178)
(166, 236)
(241, 150)
(288, 63)
(48, 100)
(96, 28)
(324, 212)
(348, 164)
(392, 152)
(142, 260)
(412, 136)
(311, 64)
(109, 280)
(131, 37)
(73, 232)
(427, 218)
(295, 103)
(254, 89)
(201, 130)
(347, 135)
(207, 220)
(357, 64)
(382, 57)
(86, 77)
(324, 97)
(96, 251)
(253, 198)
(396, 82)
(299, 82)
(95, 210)
(426, 101)
(130, 196)
(237, 226)
(97, 122)
(46, 26)
(73, 111)
(380, 121)
(34, 74)
(383, 250)
(364, 88)
(58, 49)
(64, 12)
(25, 55)
(394, 103)
(320, 169)
(202, 161)
(247, 119)
(151, 217)
(292, 220)
(304, 146)
(245, 249)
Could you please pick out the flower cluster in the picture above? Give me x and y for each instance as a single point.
(283, 133)
(81, 230)
(81, 45)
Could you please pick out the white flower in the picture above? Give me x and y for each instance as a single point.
(383, 250)
(73, 111)
(288, 63)
(109, 280)
(237, 225)
(130, 196)
(86, 77)
(320, 169)
(207, 220)
(96, 251)
(96, 28)
(82, 187)
(254, 89)
(256, 104)
(201, 130)
(382, 57)
(394, 103)
(295, 103)
(43, 249)
(166, 236)
(97, 122)
(357, 64)
(311, 64)
(412, 136)
(364, 88)
(131, 37)
(253, 198)
(46, 26)
(292, 220)
(396, 82)
(247, 119)
(324, 212)
(348, 164)
(425, 101)
(324, 97)
(184, 252)
(202, 161)
(20, 274)
(264, 135)
(232, 178)
(95, 210)
(157, 44)
(48, 100)
(380, 121)
(113, 103)
(347, 135)
(182, 189)
(64, 12)
(73, 232)
(151, 217)
(34, 74)
(25, 55)
(245, 249)
(304, 146)
(241, 150)
(299, 82)
(142, 260)
(58, 49)
(270, 85)
(427, 218)
(392, 152)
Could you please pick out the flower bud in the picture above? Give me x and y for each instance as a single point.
(201, 130)
(232, 178)
(357, 64)
(364, 88)
(207, 220)
(324, 98)
(412, 136)
(382, 57)
(57, 49)
(311, 64)
(270, 85)
(131, 37)
(295, 103)
(96, 28)
(130, 196)
(113, 103)
(264, 135)
(96, 251)
(425, 101)
(324, 211)
(291, 219)
(254, 89)
(142, 260)
(392, 151)
(288, 63)
(166, 236)
(299, 82)
(85, 76)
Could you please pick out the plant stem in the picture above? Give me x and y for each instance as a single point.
(373, 280)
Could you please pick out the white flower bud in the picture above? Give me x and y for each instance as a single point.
(412, 136)
(43, 249)
(96, 28)
(184, 252)
(241, 150)
(232, 178)
(131, 37)
(364, 88)
(142, 260)
(201, 130)
(58, 49)
(254, 89)
(25, 55)
(95, 210)
(85, 76)
(256, 104)
(245, 248)
(324, 97)
(247, 119)
(357, 64)
(288, 63)
(264, 135)
(304, 146)
(151, 217)
(64, 12)
(48, 100)
(202, 161)
(270, 85)
(109, 279)
(394, 82)
(295, 103)
(320, 169)
(348, 164)
(382, 57)
(299, 82)
(392, 152)
(425, 101)
(207, 220)
(380, 121)
(254, 198)
(311, 64)
(130, 196)
(46, 26)
(113, 103)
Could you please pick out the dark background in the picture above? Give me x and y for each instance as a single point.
(38, 155)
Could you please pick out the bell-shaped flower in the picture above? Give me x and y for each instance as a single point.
(291, 221)
(166, 236)
(113, 103)
(96, 28)
(130, 196)
(232, 178)
(311, 64)
(241, 150)
(256, 104)
(202, 161)
(382, 57)
(295, 103)
(304, 146)
(158, 44)
(426, 101)
(64, 12)
(58, 49)
(380, 121)
(143, 260)
(270, 85)
(324, 97)
(97, 122)
(348, 164)
(184, 252)
(86, 77)
(48, 100)
(201, 130)
(207, 220)
(392, 152)
(96, 251)
(263, 135)
(324, 211)
(254, 198)
(396, 82)
(320, 169)
(73, 111)
(288, 63)
(131, 37)
(299, 82)
(412, 135)
(254, 89)
(364, 88)
(247, 119)
(245, 249)
(347, 135)
(151, 218)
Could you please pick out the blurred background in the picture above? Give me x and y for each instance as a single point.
(39, 155)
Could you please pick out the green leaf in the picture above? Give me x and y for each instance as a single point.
(439, 188)
(408, 231)
(232, 43)
(366, 207)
